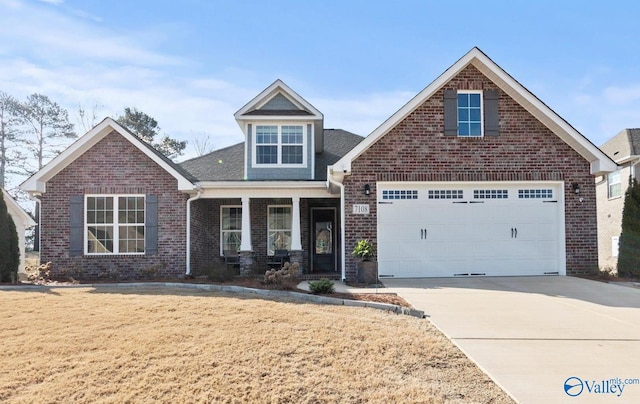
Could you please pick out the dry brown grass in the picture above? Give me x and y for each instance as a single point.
(176, 345)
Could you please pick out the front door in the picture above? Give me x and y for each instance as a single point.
(323, 243)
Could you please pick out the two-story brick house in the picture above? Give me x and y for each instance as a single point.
(473, 176)
(624, 149)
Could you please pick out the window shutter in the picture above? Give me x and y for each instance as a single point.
(491, 121)
(151, 225)
(450, 113)
(76, 226)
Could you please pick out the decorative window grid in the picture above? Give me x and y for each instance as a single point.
(469, 114)
(230, 228)
(400, 194)
(535, 193)
(445, 194)
(490, 194)
(114, 224)
(279, 228)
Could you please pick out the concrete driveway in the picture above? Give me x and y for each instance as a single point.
(537, 336)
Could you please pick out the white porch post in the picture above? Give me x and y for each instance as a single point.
(296, 238)
(246, 225)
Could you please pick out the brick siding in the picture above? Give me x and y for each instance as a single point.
(205, 230)
(525, 150)
(114, 166)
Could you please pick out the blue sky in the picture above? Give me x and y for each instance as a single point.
(192, 63)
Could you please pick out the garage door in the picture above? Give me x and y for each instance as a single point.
(465, 229)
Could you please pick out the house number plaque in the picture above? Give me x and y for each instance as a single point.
(360, 209)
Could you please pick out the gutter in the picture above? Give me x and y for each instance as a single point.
(330, 180)
(198, 195)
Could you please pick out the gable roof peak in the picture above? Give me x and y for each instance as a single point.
(291, 104)
(600, 162)
(36, 184)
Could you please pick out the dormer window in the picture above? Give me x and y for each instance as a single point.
(280, 145)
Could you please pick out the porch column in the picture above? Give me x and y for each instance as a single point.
(296, 238)
(245, 244)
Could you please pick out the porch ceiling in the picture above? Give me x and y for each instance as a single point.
(280, 189)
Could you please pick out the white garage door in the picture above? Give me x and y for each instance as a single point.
(462, 229)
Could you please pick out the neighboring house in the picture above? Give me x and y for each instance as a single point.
(624, 149)
(474, 176)
(23, 221)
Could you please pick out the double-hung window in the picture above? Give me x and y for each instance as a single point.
(614, 184)
(280, 145)
(278, 229)
(230, 228)
(470, 114)
(114, 224)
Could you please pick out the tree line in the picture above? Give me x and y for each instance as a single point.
(37, 129)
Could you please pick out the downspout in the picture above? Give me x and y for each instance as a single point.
(342, 222)
(198, 195)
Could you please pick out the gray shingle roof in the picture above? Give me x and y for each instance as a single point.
(634, 140)
(624, 144)
(220, 165)
(337, 143)
(228, 164)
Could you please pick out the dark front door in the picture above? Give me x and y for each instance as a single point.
(323, 243)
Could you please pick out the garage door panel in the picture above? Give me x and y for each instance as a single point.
(444, 237)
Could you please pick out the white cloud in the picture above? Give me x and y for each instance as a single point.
(12, 4)
(622, 95)
(51, 35)
(361, 114)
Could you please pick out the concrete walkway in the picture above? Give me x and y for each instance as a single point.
(537, 336)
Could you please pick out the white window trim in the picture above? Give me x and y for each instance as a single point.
(279, 164)
(481, 112)
(609, 183)
(222, 207)
(116, 224)
(269, 221)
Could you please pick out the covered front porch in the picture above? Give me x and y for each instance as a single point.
(257, 221)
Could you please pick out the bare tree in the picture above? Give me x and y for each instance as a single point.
(47, 130)
(203, 145)
(8, 134)
(87, 119)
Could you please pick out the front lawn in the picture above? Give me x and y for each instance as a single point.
(173, 345)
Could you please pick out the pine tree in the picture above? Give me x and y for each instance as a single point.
(629, 246)
(9, 250)
(146, 128)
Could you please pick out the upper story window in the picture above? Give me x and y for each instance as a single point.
(614, 184)
(280, 145)
(469, 114)
(114, 224)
